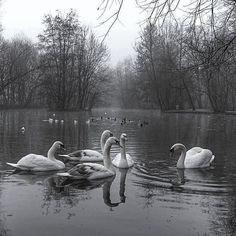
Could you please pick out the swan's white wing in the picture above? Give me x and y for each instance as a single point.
(129, 160)
(84, 155)
(36, 163)
(198, 158)
(74, 156)
(194, 150)
(31, 161)
(91, 155)
(122, 163)
(116, 160)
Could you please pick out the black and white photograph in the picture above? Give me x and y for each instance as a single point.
(118, 118)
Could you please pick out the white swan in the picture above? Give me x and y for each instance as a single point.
(123, 159)
(194, 158)
(88, 155)
(34, 162)
(92, 171)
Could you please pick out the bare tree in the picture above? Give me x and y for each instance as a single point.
(71, 60)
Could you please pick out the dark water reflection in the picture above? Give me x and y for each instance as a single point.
(152, 198)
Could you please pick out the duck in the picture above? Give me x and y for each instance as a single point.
(123, 159)
(22, 129)
(88, 155)
(196, 157)
(35, 162)
(93, 171)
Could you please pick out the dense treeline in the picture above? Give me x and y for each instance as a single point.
(64, 70)
(183, 64)
(179, 64)
(177, 67)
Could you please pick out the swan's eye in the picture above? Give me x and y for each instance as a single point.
(62, 146)
(172, 150)
(111, 134)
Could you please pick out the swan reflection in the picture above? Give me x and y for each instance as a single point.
(194, 175)
(123, 173)
(71, 192)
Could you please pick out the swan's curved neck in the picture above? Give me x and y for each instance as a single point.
(180, 163)
(103, 141)
(51, 153)
(122, 149)
(106, 156)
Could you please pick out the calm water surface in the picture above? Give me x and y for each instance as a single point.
(152, 198)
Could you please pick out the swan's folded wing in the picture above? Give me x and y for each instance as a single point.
(194, 151)
(92, 153)
(34, 161)
(78, 153)
(198, 159)
(86, 170)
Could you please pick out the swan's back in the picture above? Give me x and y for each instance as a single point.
(198, 157)
(84, 155)
(36, 162)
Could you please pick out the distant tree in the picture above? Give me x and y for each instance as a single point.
(126, 84)
(71, 59)
(18, 67)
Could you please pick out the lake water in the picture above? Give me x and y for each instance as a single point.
(152, 198)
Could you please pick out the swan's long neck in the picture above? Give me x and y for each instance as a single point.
(106, 156)
(122, 149)
(103, 141)
(51, 153)
(180, 163)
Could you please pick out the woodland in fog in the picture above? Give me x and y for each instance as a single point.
(183, 62)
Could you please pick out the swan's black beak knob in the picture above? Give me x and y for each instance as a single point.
(172, 152)
(63, 147)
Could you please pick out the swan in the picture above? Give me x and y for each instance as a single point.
(196, 157)
(123, 159)
(34, 162)
(91, 171)
(88, 155)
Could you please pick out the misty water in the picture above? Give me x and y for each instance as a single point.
(152, 198)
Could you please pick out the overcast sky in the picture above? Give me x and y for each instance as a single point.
(25, 17)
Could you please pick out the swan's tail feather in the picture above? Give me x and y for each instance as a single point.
(65, 174)
(212, 159)
(12, 164)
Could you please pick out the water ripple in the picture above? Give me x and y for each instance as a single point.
(195, 181)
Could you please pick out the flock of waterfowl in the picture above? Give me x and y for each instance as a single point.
(87, 168)
(122, 121)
